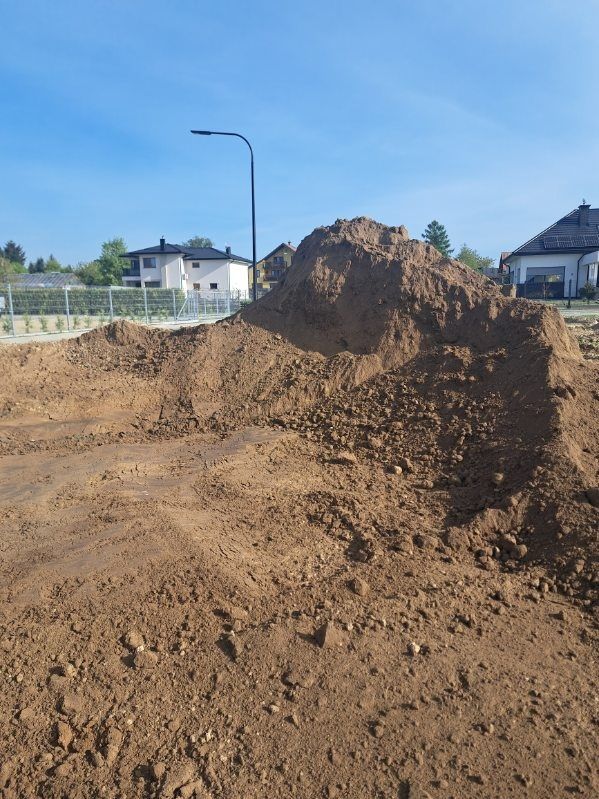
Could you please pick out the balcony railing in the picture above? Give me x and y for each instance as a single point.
(131, 272)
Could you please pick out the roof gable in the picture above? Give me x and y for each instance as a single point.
(188, 253)
(282, 245)
(565, 235)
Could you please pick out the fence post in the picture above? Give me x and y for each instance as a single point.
(146, 303)
(110, 308)
(66, 307)
(570, 293)
(11, 310)
(216, 297)
(174, 306)
(228, 303)
(205, 309)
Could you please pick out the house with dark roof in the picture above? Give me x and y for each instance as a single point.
(557, 262)
(178, 267)
(272, 268)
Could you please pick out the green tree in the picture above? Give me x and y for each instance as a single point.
(436, 234)
(107, 270)
(198, 241)
(90, 273)
(9, 268)
(111, 264)
(52, 264)
(588, 292)
(38, 266)
(14, 253)
(474, 259)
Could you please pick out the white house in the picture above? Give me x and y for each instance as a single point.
(179, 267)
(557, 262)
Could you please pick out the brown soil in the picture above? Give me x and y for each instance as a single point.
(341, 545)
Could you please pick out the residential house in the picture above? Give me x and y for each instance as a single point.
(273, 266)
(557, 262)
(179, 267)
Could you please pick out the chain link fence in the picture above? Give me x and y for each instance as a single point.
(28, 311)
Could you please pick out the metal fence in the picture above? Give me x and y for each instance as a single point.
(28, 311)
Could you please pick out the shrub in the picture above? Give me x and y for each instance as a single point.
(588, 292)
(27, 322)
(43, 324)
(59, 324)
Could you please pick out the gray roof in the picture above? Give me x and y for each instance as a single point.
(189, 253)
(43, 280)
(565, 235)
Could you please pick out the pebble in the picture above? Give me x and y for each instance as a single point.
(329, 636)
(134, 640)
(359, 586)
(413, 649)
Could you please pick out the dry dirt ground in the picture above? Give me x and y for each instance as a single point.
(246, 561)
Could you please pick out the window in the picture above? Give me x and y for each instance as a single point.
(257, 273)
(195, 264)
(150, 263)
(278, 260)
(152, 284)
(214, 286)
(196, 286)
(134, 263)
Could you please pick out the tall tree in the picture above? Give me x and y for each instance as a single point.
(110, 263)
(90, 273)
(198, 241)
(436, 234)
(37, 266)
(53, 265)
(474, 259)
(14, 253)
(8, 268)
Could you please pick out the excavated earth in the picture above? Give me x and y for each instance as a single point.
(343, 544)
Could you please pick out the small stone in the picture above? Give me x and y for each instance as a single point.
(345, 458)
(63, 769)
(359, 586)
(328, 636)
(497, 478)
(377, 729)
(395, 469)
(134, 640)
(63, 735)
(158, 770)
(413, 649)
(144, 659)
(71, 704)
(519, 551)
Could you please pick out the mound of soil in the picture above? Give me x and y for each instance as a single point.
(342, 544)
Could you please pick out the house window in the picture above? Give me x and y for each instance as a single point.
(152, 284)
(195, 264)
(257, 273)
(134, 263)
(196, 286)
(278, 260)
(214, 286)
(150, 263)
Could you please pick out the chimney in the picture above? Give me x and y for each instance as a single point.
(228, 250)
(583, 214)
(162, 243)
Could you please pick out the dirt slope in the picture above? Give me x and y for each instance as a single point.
(342, 545)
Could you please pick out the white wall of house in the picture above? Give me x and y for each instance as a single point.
(226, 275)
(525, 266)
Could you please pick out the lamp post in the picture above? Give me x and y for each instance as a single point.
(239, 136)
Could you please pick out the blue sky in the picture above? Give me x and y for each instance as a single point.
(482, 115)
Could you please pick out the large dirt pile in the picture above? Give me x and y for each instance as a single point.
(341, 544)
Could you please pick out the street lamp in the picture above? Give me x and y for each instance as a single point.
(239, 136)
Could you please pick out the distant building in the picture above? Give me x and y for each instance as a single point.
(176, 266)
(273, 266)
(44, 280)
(557, 262)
